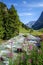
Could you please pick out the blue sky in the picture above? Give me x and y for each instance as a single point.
(28, 10)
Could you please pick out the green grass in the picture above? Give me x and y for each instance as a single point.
(24, 31)
(36, 32)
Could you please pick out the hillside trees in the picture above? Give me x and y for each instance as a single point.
(1, 27)
(9, 22)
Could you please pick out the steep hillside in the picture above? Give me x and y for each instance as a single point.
(39, 23)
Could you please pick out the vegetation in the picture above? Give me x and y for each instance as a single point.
(9, 22)
(35, 58)
(41, 30)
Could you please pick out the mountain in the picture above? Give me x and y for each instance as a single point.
(30, 24)
(39, 23)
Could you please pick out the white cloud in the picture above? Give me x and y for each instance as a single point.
(25, 14)
(15, 4)
(40, 4)
(36, 5)
(24, 2)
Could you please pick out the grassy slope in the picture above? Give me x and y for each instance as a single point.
(34, 32)
(23, 30)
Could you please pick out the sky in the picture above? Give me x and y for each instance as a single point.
(28, 10)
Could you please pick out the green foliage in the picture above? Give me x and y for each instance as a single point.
(1, 27)
(9, 22)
